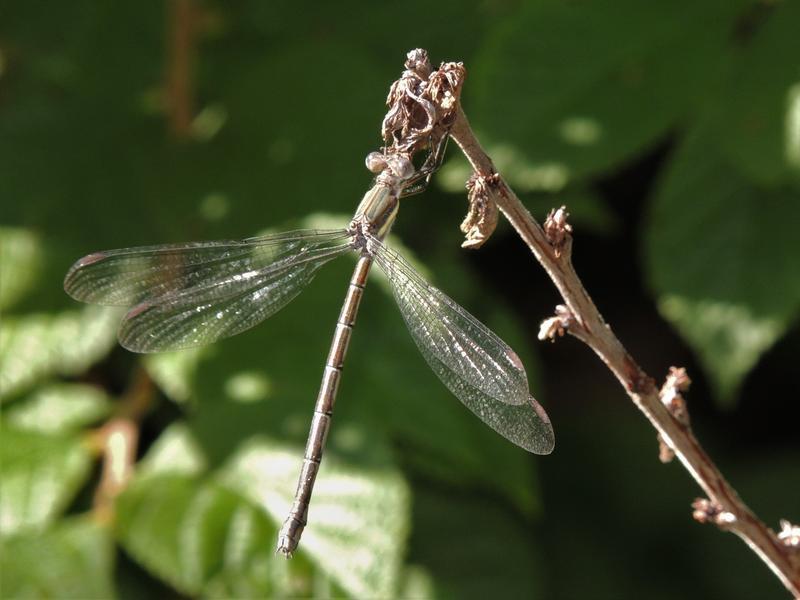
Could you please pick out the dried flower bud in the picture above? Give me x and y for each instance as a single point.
(557, 325)
(676, 382)
(417, 61)
(482, 215)
(665, 452)
(557, 230)
(444, 86)
(422, 104)
(706, 511)
(679, 379)
(789, 534)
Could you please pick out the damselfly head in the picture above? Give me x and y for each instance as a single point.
(390, 165)
(400, 166)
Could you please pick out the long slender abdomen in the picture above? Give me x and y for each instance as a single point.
(292, 528)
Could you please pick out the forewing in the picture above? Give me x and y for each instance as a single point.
(193, 294)
(128, 276)
(477, 366)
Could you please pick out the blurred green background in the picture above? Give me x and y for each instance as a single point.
(671, 131)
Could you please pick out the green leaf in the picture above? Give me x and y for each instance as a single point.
(73, 559)
(721, 257)
(204, 539)
(175, 451)
(174, 371)
(572, 88)
(417, 583)
(728, 336)
(174, 472)
(358, 520)
(60, 407)
(35, 347)
(40, 476)
(20, 262)
(757, 110)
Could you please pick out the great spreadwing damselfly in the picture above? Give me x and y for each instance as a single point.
(185, 295)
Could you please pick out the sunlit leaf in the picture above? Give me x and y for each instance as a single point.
(20, 261)
(358, 521)
(171, 473)
(563, 109)
(59, 407)
(176, 452)
(72, 559)
(40, 476)
(36, 346)
(757, 110)
(727, 335)
(173, 371)
(721, 256)
(417, 583)
(199, 536)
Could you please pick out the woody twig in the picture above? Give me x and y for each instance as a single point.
(665, 408)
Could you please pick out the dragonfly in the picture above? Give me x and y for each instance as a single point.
(186, 295)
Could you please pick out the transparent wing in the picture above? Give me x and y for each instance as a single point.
(127, 276)
(477, 366)
(193, 294)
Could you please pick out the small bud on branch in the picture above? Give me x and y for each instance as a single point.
(558, 231)
(481, 219)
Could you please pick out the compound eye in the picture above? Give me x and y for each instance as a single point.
(376, 162)
(401, 167)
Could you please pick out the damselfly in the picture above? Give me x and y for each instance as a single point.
(184, 295)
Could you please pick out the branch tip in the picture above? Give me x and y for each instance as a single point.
(418, 62)
(422, 104)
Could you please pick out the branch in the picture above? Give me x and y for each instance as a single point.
(117, 442)
(180, 40)
(665, 409)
